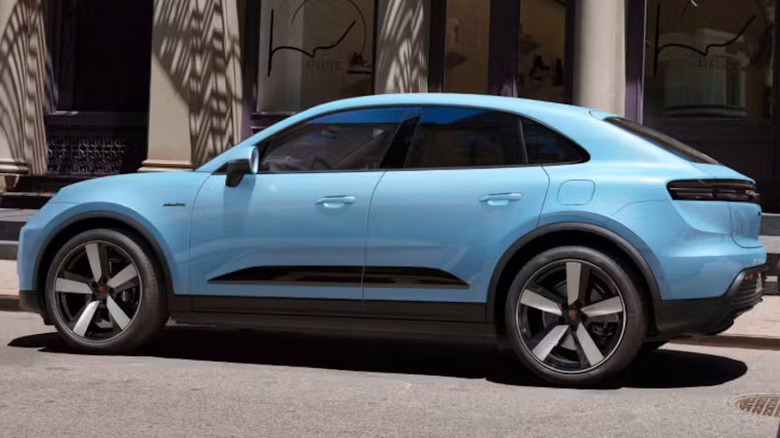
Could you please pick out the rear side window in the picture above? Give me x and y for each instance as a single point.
(464, 137)
(546, 146)
(676, 147)
(348, 140)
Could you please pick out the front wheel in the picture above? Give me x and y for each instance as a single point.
(574, 316)
(104, 293)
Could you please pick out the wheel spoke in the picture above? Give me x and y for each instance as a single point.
(577, 279)
(550, 341)
(86, 318)
(121, 280)
(64, 285)
(537, 301)
(117, 314)
(609, 306)
(589, 347)
(611, 318)
(94, 257)
(568, 342)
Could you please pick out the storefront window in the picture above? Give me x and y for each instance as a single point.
(467, 46)
(542, 50)
(709, 59)
(314, 51)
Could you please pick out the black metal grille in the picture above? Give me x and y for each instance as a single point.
(770, 225)
(95, 144)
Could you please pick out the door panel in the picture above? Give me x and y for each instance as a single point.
(458, 221)
(295, 235)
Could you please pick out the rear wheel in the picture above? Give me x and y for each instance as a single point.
(650, 346)
(103, 292)
(574, 316)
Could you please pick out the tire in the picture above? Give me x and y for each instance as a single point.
(651, 346)
(122, 310)
(581, 335)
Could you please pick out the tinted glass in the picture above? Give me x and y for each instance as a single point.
(674, 146)
(546, 146)
(464, 137)
(350, 140)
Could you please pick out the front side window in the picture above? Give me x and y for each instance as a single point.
(465, 137)
(349, 140)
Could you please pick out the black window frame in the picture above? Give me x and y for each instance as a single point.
(523, 153)
(413, 114)
(399, 149)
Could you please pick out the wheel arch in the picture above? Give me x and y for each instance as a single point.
(92, 220)
(559, 234)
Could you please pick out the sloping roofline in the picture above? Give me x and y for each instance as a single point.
(528, 107)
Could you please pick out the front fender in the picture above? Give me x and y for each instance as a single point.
(169, 239)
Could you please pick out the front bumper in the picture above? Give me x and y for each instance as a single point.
(681, 318)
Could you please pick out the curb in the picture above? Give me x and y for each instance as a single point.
(732, 341)
(9, 303)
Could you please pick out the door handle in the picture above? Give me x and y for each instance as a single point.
(497, 199)
(336, 201)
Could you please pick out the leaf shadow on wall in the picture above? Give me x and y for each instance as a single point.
(194, 47)
(22, 52)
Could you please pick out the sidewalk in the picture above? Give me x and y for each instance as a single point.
(759, 328)
(9, 285)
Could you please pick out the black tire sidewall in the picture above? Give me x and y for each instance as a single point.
(152, 312)
(635, 317)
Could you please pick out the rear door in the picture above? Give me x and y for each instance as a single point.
(438, 225)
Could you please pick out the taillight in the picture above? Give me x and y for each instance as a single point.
(714, 190)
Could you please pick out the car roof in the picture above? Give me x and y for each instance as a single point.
(548, 113)
(527, 107)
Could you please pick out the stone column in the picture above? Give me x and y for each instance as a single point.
(22, 92)
(402, 46)
(195, 108)
(599, 55)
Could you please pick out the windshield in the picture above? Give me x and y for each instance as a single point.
(676, 147)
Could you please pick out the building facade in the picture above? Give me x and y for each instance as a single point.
(91, 88)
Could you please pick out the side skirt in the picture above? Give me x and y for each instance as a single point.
(449, 320)
(352, 326)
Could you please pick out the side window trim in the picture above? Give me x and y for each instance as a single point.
(521, 135)
(402, 140)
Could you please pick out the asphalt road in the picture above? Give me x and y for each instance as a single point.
(200, 382)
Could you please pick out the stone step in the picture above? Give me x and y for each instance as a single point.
(8, 249)
(12, 221)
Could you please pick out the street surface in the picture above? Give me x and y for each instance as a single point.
(203, 382)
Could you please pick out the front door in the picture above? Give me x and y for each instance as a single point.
(297, 229)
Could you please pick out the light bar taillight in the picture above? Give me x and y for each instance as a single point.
(714, 190)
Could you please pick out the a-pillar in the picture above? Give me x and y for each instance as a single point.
(599, 55)
(195, 105)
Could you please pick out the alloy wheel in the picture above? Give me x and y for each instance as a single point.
(97, 291)
(570, 316)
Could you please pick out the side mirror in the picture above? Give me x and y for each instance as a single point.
(236, 169)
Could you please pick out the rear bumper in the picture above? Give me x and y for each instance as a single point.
(681, 318)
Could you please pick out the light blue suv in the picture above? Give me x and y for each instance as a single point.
(577, 236)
